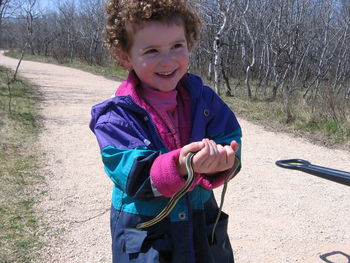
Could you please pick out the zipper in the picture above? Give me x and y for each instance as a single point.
(151, 126)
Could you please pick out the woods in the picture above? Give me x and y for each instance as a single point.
(281, 48)
(294, 50)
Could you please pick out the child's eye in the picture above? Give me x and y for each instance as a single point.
(151, 51)
(178, 46)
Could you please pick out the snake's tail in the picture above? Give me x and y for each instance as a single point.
(223, 193)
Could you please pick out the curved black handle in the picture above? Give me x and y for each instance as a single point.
(294, 164)
(334, 175)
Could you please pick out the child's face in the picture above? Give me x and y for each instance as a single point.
(159, 55)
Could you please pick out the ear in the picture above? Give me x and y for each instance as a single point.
(124, 59)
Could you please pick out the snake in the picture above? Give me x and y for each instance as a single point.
(183, 190)
(176, 197)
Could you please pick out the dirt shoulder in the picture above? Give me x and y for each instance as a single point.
(276, 215)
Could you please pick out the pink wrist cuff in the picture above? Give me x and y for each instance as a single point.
(213, 182)
(164, 174)
(216, 181)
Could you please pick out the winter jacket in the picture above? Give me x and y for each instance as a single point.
(130, 145)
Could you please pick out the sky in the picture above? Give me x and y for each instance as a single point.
(46, 3)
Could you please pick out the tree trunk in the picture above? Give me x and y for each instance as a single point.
(228, 92)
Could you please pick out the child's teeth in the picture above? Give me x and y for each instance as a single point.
(165, 73)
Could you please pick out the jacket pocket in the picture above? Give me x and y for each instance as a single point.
(134, 239)
(143, 246)
(220, 245)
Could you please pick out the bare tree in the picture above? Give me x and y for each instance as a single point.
(219, 20)
(5, 10)
(91, 31)
(218, 43)
(278, 48)
(252, 48)
(28, 11)
(4, 6)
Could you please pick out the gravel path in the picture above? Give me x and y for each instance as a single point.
(276, 215)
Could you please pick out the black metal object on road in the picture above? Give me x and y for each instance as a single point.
(334, 175)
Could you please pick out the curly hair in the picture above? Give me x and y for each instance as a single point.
(122, 13)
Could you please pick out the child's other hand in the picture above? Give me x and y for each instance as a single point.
(214, 158)
(210, 158)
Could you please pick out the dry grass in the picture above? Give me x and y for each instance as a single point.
(318, 124)
(19, 164)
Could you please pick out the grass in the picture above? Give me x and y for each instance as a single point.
(305, 122)
(19, 166)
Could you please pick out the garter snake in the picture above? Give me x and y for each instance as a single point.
(183, 190)
(176, 197)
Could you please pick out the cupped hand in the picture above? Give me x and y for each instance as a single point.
(214, 158)
(210, 157)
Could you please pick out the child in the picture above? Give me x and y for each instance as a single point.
(159, 114)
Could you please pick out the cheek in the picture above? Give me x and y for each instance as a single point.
(144, 68)
(183, 57)
(144, 63)
(184, 62)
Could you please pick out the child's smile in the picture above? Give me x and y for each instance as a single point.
(159, 55)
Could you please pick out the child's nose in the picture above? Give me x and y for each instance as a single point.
(166, 60)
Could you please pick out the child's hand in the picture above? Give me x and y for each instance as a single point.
(214, 158)
(210, 158)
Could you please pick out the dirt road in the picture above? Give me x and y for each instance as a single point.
(276, 215)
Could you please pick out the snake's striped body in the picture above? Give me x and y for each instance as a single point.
(176, 197)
